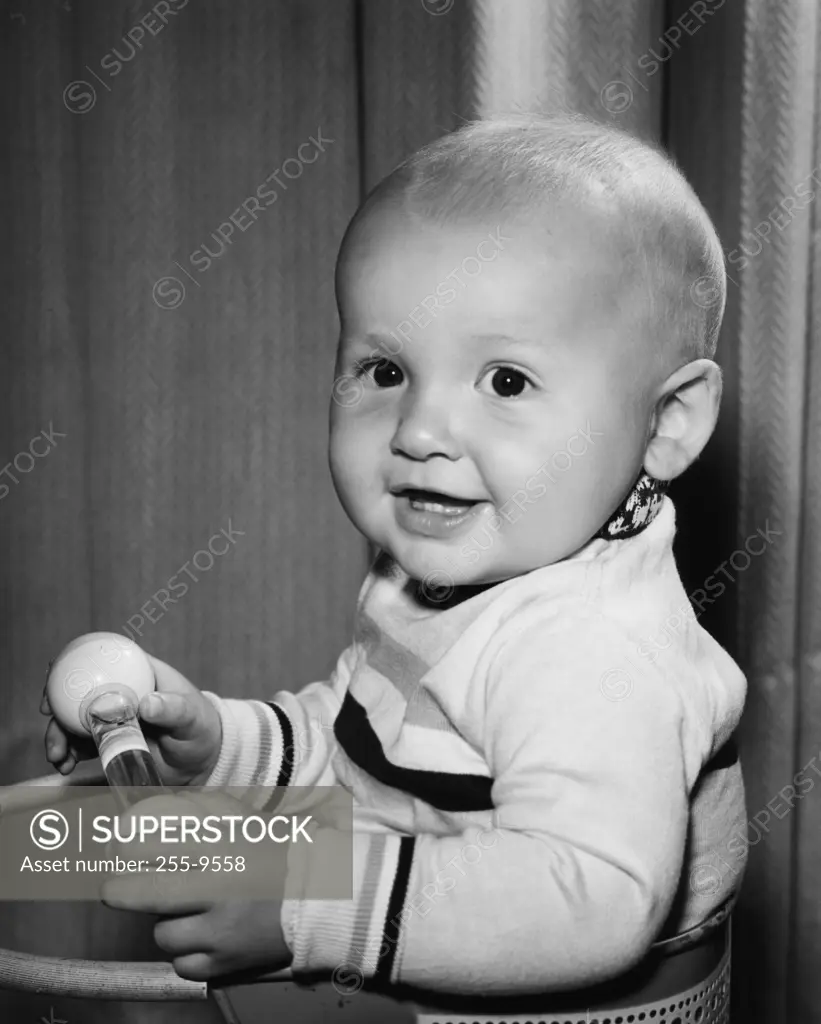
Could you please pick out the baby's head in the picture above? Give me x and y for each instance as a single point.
(528, 313)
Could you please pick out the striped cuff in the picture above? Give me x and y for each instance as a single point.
(255, 747)
(354, 937)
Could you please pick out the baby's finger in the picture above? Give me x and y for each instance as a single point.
(163, 893)
(45, 707)
(64, 751)
(169, 680)
(75, 755)
(67, 766)
(56, 742)
(171, 712)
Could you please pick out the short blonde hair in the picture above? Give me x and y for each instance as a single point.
(668, 245)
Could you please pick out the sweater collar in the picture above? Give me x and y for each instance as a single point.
(635, 513)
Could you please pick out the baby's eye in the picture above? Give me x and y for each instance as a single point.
(383, 372)
(507, 382)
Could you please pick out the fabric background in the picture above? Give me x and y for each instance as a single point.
(174, 419)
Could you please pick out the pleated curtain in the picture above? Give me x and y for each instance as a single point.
(178, 379)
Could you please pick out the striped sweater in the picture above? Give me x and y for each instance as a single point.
(541, 789)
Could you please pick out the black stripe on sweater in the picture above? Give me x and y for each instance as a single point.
(445, 790)
(390, 935)
(286, 769)
(725, 758)
(287, 765)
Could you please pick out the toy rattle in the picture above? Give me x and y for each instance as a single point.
(94, 688)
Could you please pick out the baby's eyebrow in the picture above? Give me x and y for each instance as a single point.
(390, 344)
(507, 340)
(378, 343)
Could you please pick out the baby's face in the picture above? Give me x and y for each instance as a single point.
(489, 411)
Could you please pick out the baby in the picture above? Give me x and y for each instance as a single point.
(528, 312)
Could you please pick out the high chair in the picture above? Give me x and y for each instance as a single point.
(683, 980)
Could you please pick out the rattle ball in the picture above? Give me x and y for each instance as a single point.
(89, 667)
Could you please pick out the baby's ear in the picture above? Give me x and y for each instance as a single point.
(683, 419)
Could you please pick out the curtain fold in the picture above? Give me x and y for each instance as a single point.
(576, 55)
(171, 330)
(806, 891)
(169, 312)
(772, 256)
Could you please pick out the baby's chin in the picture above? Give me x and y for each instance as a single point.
(441, 567)
(464, 562)
(431, 562)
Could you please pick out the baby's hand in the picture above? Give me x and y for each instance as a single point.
(225, 938)
(207, 935)
(181, 726)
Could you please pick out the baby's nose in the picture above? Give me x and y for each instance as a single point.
(425, 429)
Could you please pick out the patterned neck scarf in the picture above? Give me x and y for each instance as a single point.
(637, 511)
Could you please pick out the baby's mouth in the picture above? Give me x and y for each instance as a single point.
(434, 514)
(435, 501)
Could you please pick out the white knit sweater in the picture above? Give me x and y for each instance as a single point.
(531, 805)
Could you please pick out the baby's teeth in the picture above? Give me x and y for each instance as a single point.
(434, 506)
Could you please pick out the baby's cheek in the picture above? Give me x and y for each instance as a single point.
(605, 478)
(346, 443)
(356, 475)
(346, 470)
(561, 505)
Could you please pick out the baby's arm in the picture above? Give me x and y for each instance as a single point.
(591, 812)
(198, 738)
(287, 741)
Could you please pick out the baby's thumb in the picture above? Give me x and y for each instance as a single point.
(169, 711)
